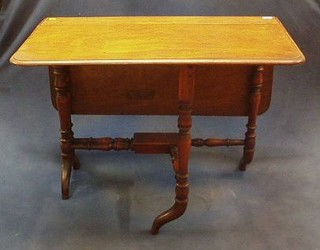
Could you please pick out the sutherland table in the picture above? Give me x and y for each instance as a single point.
(182, 66)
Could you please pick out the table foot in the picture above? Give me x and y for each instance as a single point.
(65, 179)
(247, 158)
(173, 213)
(179, 207)
(242, 165)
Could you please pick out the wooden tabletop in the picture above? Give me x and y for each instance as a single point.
(158, 40)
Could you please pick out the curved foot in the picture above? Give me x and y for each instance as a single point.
(242, 165)
(246, 159)
(173, 213)
(65, 180)
(178, 208)
(76, 163)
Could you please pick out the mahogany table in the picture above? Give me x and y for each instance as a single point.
(184, 66)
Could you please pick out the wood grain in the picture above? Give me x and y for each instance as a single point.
(158, 40)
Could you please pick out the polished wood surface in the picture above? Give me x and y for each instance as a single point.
(180, 66)
(158, 40)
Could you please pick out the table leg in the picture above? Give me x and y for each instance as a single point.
(63, 101)
(181, 159)
(254, 103)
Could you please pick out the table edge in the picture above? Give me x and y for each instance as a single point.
(299, 60)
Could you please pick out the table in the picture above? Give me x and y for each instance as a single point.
(184, 66)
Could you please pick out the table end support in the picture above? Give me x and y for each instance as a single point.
(254, 105)
(63, 101)
(180, 159)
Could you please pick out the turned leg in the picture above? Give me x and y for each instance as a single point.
(63, 101)
(254, 103)
(181, 157)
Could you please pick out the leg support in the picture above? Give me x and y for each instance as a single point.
(63, 100)
(254, 104)
(186, 90)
